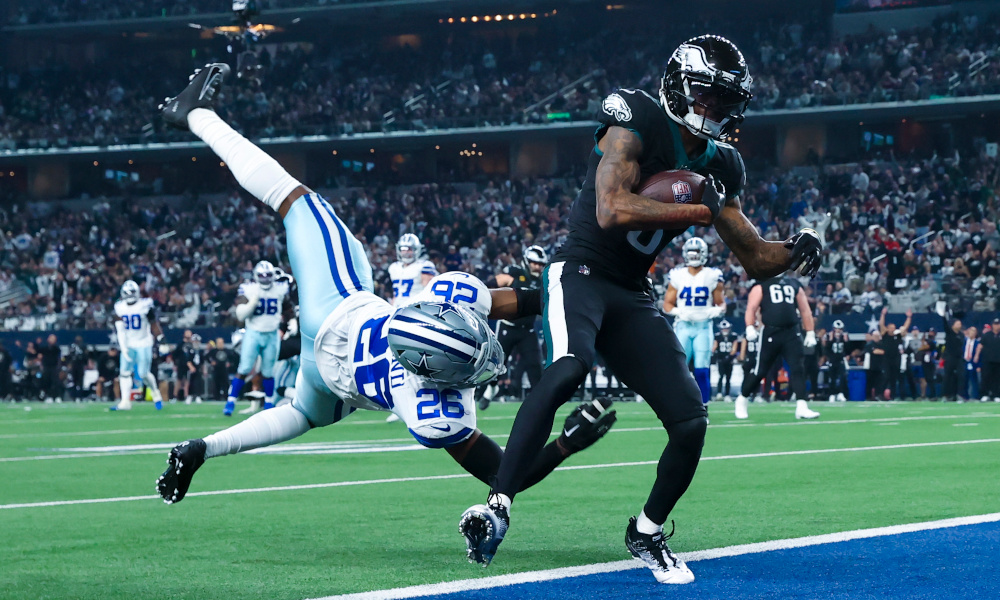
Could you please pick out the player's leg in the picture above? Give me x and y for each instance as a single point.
(314, 406)
(268, 360)
(573, 310)
(725, 378)
(531, 356)
(634, 340)
(702, 347)
(249, 351)
(143, 365)
(126, 368)
(767, 354)
(792, 350)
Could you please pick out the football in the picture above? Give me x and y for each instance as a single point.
(673, 187)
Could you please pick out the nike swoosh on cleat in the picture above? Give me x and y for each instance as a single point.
(446, 428)
(569, 432)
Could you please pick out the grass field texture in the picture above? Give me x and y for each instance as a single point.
(392, 520)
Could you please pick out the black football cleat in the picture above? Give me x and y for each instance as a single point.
(201, 92)
(184, 459)
(587, 423)
(652, 550)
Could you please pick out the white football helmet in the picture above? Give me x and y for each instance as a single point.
(838, 324)
(534, 255)
(130, 292)
(695, 252)
(445, 343)
(409, 248)
(263, 274)
(724, 325)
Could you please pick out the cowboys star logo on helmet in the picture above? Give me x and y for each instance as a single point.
(616, 106)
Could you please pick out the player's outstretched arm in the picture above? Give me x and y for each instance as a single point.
(510, 304)
(763, 259)
(616, 177)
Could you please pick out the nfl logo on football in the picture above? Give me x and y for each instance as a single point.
(682, 192)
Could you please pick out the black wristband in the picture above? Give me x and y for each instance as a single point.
(529, 302)
(492, 283)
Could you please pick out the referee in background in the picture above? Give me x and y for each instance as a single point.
(989, 360)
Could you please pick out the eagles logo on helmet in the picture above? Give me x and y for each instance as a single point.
(710, 73)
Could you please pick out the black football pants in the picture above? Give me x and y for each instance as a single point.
(776, 343)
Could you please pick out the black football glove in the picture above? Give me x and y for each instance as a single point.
(714, 196)
(806, 248)
(586, 424)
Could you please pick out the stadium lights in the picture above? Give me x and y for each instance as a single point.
(335, 153)
(194, 159)
(96, 163)
(498, 18)
(130, 161)
(437, 147)
(222, 164)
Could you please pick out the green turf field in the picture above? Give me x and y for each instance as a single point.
(325, 540)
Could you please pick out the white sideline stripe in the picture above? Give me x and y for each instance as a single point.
(467, 585)
(313, 486)
(10, 436)
(284, 449)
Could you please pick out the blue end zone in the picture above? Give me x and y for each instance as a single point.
(956, 563)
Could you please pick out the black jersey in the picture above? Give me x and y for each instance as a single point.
(523, 280)
(835, 347)
(626, 256)
(778, 307)
(725, 344)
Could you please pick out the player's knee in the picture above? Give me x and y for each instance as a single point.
(690, 433)
(564, 376)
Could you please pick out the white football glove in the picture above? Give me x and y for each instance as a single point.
(810, 340)
(751, 333)
(677, 313)
(715, 312)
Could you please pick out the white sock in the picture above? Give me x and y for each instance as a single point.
(125, 384)
(262, 429)
(801, 405)
(257, 172)
(150, 382)
(502, 499)
(491, 391)
(645, 525)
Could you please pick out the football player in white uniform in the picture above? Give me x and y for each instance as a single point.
(694, 298)
(259, 304)
(411, 272)
(136, 326)
(421, 361)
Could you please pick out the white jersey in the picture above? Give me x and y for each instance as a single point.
(694, 292)
(354, 360)
(407, 279)
(266, 317)
(135, 317)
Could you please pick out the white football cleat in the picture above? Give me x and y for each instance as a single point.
(984, 399)
(392, 418)
(741, 407)
(802, 411)
(841, 397)
(729, 398)
(833, 398)
(653, 551)
(122, 405)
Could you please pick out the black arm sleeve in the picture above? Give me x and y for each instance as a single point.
(529, 302)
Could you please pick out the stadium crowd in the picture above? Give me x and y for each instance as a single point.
(448, 81)
(71, 11)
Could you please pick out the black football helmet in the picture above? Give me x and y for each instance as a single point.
(707, 71)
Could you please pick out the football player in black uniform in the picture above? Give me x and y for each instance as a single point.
(595, 294)
(777, 299)
(725, 350)
(835, 351)
(519, 337)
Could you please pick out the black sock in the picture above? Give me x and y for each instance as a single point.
(534, 422)
(676, 468)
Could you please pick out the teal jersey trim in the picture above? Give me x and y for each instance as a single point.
(682, 159)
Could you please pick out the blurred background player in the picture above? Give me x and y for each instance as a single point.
(260, 305)
(694, 298)
(412, 271)
(288, 358)
(519, 338)
(136, 326)
(776, 299)
(835, 351)
(725, 348)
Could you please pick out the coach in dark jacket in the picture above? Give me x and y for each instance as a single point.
(989, 359)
